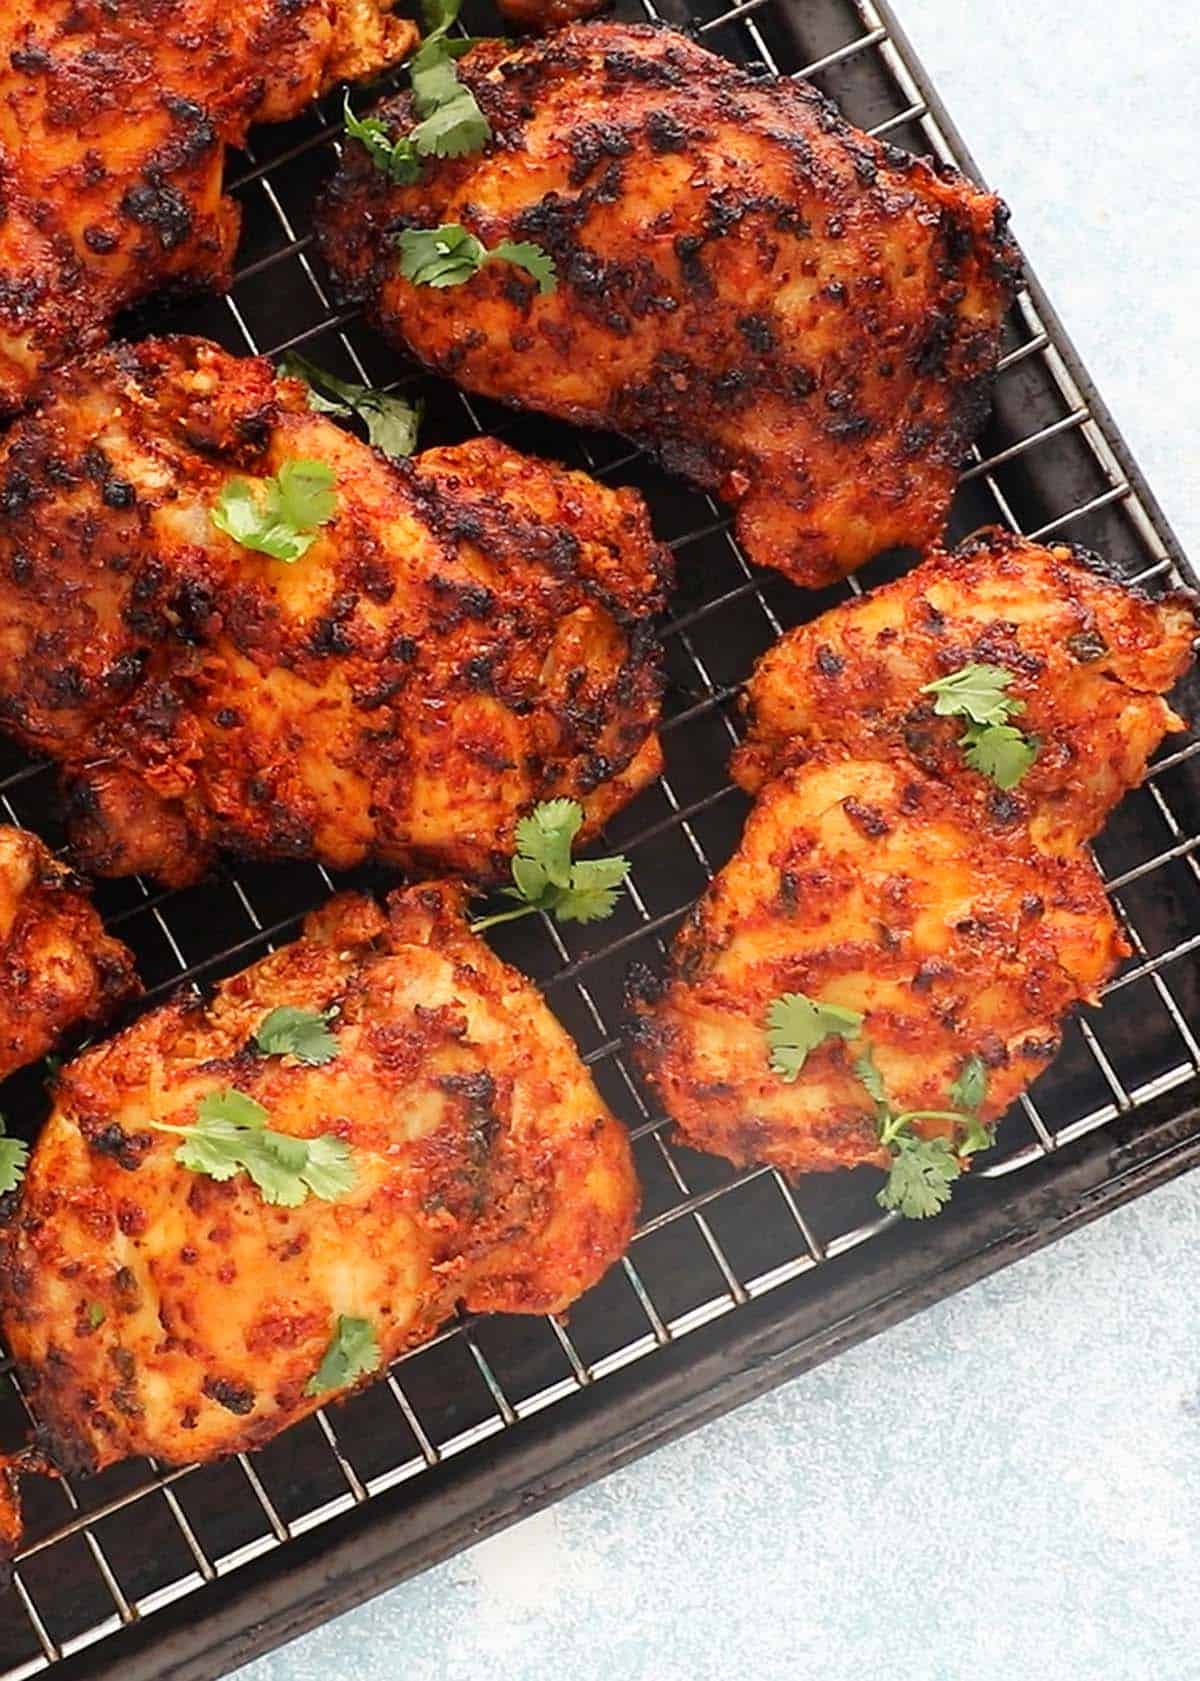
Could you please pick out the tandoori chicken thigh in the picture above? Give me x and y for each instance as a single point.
(58, 967)
(1090, 661)
(790, 313)
(114, 121)
(868, 886)
(240, 1208)
(458, 637)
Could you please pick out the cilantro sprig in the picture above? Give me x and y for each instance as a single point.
(14, 1155)
(291, 1031)
(393, 155)
(352, 1352)
(991, 744)
(391, 421)
(278, 516)
(450, 255)
(230, 1136)
(797, 1024)
(452, 124)
(547, 878)
(923, 1170)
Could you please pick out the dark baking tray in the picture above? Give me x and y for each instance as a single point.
(735, 1280)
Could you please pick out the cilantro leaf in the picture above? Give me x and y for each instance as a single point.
(352, 1352)
(306, 494)
(236, 1107)
(968, 1093)
(999, 751)
(96, 1315)
(536, 262)
(991, 745)
(281, 515)
(455, 127)
(547, 879)
(970, 1088)
(439, 16)
(922, 1176)
(870, 1077)
(14, 1154)
(434, 78)
(327, 1171)
(395, 158)
(230, 1136)
(546, 836)
(588, 904)
(450, 255)
(445, 256)
(975, 692)
(391, 420)
(304, 1034)
(797, 1024)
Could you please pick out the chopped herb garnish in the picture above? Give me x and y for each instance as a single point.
(391, 421)
(923, 1170)
(395, 157)
(304, 1034)
(14, 1154)
(797, 1024)
(278, 516)
(352, 1352)
(970, 1088)
(999, 751)
(976, 692)
(546, 877)
(991, 744)
(451, 126)
(450, 255)
(230, 1136)
(95, 1315)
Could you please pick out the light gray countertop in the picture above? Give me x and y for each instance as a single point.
(1007, 1485)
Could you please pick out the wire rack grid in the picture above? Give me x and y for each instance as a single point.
(109, 1552)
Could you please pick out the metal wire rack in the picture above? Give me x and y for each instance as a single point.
(106, 1558)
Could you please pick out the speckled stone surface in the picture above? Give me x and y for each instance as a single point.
(1008, 1485)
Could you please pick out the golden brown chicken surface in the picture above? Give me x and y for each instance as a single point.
(58, 967)
(469, 633)
(1090, 661)
(153, 1309)
(780, 308)
(114, 121)
(867, 885)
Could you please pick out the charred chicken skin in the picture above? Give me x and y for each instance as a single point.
(1090, 658)
(779, 307)
(467, 635)
(153, 1309)
(58, 968)
(888, 898)
(113, 126)
(870, 886)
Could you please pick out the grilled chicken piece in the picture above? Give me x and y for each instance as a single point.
(867, 884)
(58, 967)
(777, 306)
(469, 635)
(155, 1310)
(1090, 657)
(114, 121)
